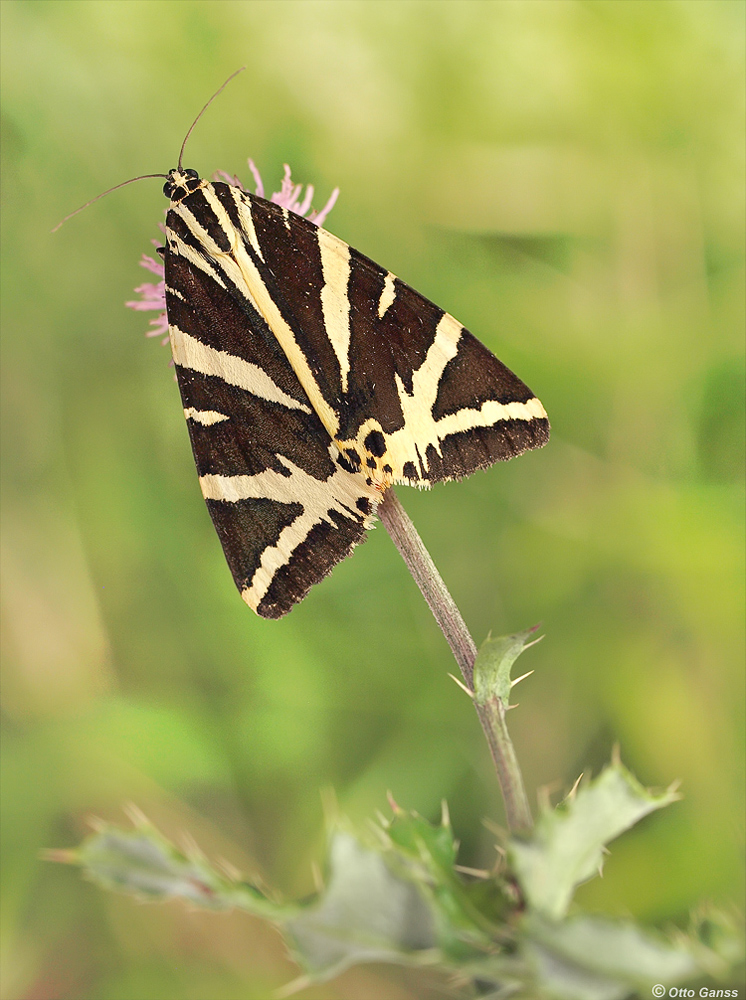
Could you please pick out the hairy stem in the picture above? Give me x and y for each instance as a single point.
(452, 625)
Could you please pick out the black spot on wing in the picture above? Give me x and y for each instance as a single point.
(375, 444)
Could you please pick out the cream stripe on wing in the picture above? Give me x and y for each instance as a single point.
(489, 413)
(335, 302)
(202, 235)
(420, 428)
(192, 353)
(337, 493)
(189, 253)
(242, 272)
(221, 215)
(246, 221)
(205, 417)
(388, 295)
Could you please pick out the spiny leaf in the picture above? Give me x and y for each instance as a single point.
(566, 846)
(366, 914)
(403, 901)
(142, 863)
(596, 958)
(494, 663)
(466, 913)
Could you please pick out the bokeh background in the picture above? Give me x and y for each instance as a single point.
(565, 177)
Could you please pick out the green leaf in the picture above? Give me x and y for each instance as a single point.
(595, 958)
(466, 913)
(432, 847)
(718, 939)
(598, 958)
(142, 863)
(403, 901)
(400, 902)
(366, 914)
(566, 846)
(494, 662)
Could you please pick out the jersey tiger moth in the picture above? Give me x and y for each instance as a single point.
(312, 380)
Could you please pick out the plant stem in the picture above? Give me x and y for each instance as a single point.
(404, 535)
(517, 809)
(492, 714)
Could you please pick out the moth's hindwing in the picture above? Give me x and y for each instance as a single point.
(311, 380)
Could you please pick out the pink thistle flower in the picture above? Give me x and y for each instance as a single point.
(288, 196)
(153, 296)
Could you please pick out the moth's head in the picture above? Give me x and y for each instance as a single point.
(180, 183)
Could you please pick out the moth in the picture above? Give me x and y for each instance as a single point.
(313, 380)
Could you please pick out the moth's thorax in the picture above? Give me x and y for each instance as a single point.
(180, 183)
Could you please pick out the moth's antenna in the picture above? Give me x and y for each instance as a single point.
(191, 127)
(104, 193)
(144, 176)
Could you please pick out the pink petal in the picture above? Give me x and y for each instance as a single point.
(233, 181)
(306, 204)
(257, 178)
(152, 265)
(319, 217)
(159, 327)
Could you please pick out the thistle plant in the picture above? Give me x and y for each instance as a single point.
(396, 893)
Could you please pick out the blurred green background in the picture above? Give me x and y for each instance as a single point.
(565, 177)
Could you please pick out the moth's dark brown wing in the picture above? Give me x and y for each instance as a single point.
(311, 380)
(416, 397)
(285, 504)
